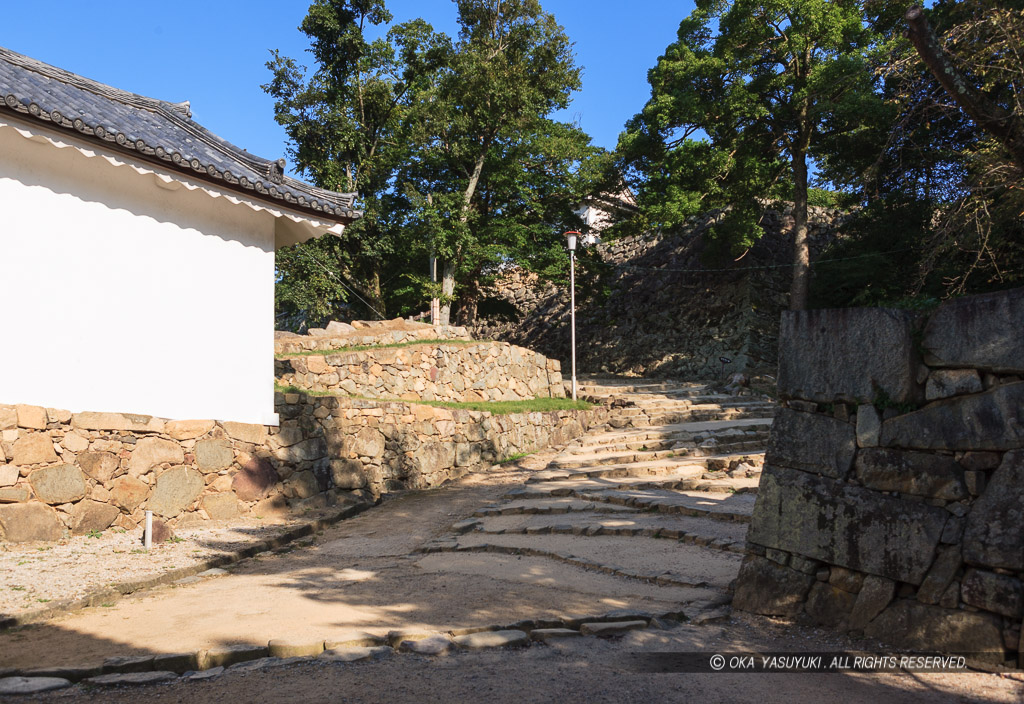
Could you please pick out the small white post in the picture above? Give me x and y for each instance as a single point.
(148, 536)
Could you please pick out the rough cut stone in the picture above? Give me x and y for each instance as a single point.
(228, 655)
(294, 649)
(311, 449)
(917, 473)
(943, 383)
(188, 429)
(175, 490)
(368, 442)
(36, 448)
(338, 328)
(348, 474)
(32, 417)
(118, 679)
(101, 466)
(221, 507)
(812, 443)
(246, 432)
(58, 485)
(993, 420)
(611, 628)
(433, 645)
(151, 452)
(909, 624)
(356, 653)
(13, 686)
(980, 331)
(254, 480)
(1000, 593)
(940, 575)
(23, 523)
(8, 475)
(869, 426)
(75, 442)
(91, 515)
(993, 535)
(844, 525)
(8, 418)
(14, 494)
(117, 421)
(829, 605)
(764, 587)
(213, 455)
(848, 355)
(129, 493)
(876, 593)
(492, 639)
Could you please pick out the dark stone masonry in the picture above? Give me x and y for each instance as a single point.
(892, 500)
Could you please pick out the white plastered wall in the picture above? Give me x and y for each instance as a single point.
(125, 289)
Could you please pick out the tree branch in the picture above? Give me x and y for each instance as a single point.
(994, 119)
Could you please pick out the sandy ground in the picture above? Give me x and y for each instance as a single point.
(581, 670)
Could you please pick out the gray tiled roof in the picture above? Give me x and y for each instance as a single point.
(156, 131)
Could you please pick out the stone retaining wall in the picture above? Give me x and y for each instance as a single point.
(360, 333)
(64, 473)
(892, 500)
(483, 371)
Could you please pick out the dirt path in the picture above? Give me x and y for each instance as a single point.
(645, 518)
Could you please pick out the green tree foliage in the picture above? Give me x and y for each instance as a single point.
(496, 176)
(747, 96)
(349, 129)
(449, 145)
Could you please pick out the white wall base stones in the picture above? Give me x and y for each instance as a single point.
(92, 471)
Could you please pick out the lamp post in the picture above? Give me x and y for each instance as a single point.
(570, 239)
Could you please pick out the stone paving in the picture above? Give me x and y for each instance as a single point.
(635, 525)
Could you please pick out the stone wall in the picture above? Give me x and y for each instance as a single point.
(659, 310)
(481, 371)
(362, 333)
(892, 500)
(64, 473)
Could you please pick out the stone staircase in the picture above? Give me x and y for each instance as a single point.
(662, 494)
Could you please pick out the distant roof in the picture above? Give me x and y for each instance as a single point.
(156, 131)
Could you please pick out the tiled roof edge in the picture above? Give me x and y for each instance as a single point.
(323, 203)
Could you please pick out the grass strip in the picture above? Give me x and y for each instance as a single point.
(390, 345)
(536, 405)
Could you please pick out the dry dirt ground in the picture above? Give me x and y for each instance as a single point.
(508, 545)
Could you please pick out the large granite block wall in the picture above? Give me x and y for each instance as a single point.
(892, 500)
(64, 474)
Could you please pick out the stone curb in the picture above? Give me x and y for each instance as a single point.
(567, 559)
(115, 592)
(517, 634)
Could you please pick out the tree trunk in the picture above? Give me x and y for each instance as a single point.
(448, 277)
(375, 297)
(465, 311)
(447, 291)
(801, 248)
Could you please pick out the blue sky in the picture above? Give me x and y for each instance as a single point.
(213, 53)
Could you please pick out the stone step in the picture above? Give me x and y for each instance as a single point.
(684, 464)
(552, 506)
(684, 430)
(726, 507)
(650, 559)
(683, 481)
(717, 535)
(710, 447)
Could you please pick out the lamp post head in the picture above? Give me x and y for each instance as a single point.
(571, 238)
